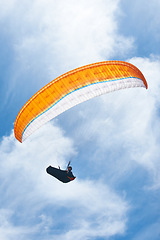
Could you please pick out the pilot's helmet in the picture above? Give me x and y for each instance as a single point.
(69, 168)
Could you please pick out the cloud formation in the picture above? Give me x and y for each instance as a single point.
(92, 207)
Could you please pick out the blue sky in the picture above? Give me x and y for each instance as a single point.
(113, 140)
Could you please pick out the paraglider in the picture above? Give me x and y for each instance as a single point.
(70, 89)
(64, 176)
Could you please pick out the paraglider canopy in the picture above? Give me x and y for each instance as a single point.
(72, 88)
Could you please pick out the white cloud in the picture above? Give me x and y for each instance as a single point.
(92, 207)
(51, 38)
(9, 231)
(146, 126)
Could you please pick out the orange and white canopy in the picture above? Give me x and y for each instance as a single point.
(72, 88)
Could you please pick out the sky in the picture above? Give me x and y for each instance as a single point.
(113, 141)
